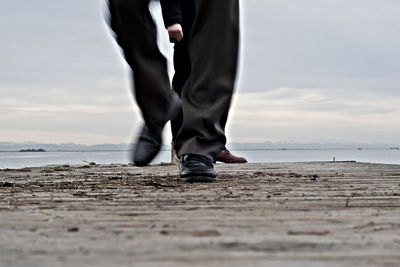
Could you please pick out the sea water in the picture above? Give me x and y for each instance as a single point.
(38, 159)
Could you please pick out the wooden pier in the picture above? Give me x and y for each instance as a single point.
(272, 214)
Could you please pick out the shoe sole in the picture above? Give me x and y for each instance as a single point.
(198, 179)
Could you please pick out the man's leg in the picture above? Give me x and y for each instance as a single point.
(182, 65)
(207, 94)
(136, 33)
(182, 62)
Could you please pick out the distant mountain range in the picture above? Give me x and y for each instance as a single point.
(10, 146)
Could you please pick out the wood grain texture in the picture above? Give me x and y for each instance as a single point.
(278, 214)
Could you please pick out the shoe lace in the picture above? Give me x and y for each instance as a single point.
(227, 152)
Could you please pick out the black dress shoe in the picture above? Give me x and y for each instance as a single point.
(150, 139)
(196, 169)
(147, 146)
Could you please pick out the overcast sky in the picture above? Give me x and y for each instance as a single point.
(311, 71)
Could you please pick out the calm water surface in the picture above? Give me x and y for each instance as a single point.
(37, 159)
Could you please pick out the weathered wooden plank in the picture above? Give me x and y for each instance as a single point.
(283, 214)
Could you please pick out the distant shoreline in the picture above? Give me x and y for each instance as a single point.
(17, 159)
(168, 149)
(32, 150)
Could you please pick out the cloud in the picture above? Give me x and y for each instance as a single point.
(312, 114)
(310, 70)
(324, 44)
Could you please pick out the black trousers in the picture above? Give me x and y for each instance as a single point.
(182, 66)
(206, 96)
(182, 63)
